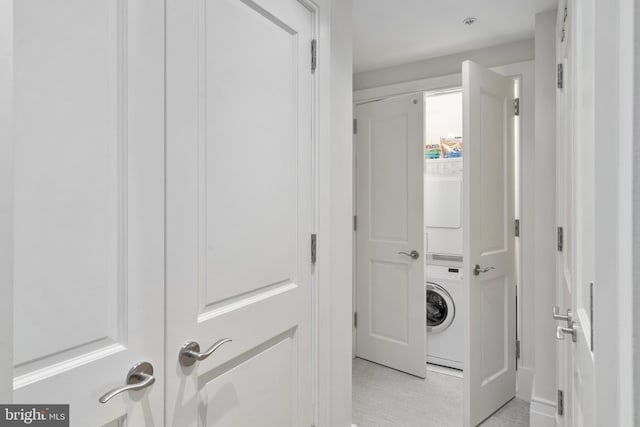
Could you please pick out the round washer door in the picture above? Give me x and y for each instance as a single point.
(440, 308)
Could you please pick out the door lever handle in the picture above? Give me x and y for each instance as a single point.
(413, 254)
(557, 316)
(190, 351)
(477, 269)
(140, 376)
(561, 331)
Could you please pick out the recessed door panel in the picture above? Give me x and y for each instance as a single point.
(256, 388)
(389, 187)
(493, 176)
(390, 286)
(71, 179)
(250, 148)
(494, 319)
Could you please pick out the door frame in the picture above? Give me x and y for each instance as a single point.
(614, 87)
(6, 200)
(523, 72)
(332, 306)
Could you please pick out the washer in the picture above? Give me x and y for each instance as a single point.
(446, 311)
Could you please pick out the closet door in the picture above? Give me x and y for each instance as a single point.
(489, 241)
(390, 282)
(239, 213)
(89, 207)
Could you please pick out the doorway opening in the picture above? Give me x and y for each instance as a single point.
(435, 388)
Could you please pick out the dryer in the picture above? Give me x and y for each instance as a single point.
(446, 315)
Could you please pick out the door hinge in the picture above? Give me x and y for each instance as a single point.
(564, 24)
(314, 55)
(355, 223)
(355, 126)
(516, 106)
(560, 402)
(591, 312)
(560, 239)
(517, 349)
(355, 319)
(517, 228)
(313, 248)
(560, 76)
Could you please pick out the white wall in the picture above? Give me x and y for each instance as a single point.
(334, 222)
(6, 201)
(544, 275)
(509, 53)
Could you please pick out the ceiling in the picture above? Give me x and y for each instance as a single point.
(392, 32)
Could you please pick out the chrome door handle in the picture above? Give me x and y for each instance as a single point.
(557, 316)
(190, 351)
(140, 376)
(477, 269)
(412, 254)
(561, 331)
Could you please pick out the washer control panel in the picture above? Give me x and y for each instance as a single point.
(444, 272)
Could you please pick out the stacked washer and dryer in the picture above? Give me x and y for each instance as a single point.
(444, 293)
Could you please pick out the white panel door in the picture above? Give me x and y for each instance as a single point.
(89, 206)
(578, 218)
(239, 212)
(565, 211)
(390, 299)
(489, 241)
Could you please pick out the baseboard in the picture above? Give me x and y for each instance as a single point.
(542, 413)
(525, 383)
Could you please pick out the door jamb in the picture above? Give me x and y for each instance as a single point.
(615, 25)
(6, 200)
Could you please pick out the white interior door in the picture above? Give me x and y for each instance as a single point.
(489, 241)
(89, 206)
(578, 258)
(565, 211)
(239, 212)
(390, 280)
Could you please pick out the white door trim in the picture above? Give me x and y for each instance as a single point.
(524, 68)
(613, 293)
(6, 200)
(334, 198)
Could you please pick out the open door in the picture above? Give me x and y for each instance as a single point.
(391, 326)
(489, 241)
(577, 197)
(565, 205)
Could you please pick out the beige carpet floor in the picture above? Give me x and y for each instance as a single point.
(384, 397)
